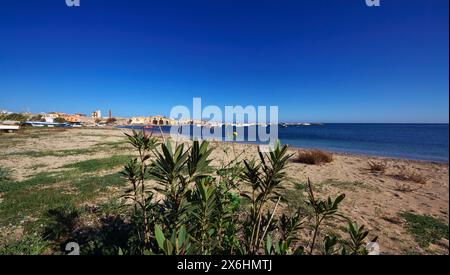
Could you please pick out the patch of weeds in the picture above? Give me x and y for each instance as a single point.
(405, 175)
(5, 174)
(110, 207)
(37, 166)
(93, 135)
(60, 153)
(40, 179)
(113, 233)
(23, 201)
(378, 168)
(296, 200)
(343, 228)
(72, 152)
(301, 186)
(10, 141)
(245, 203)
(30, 244)
(349, 185)
(89, 187)
(93, 165)
(406, 187)
(22, 205)
(425, 229)
(409, 251)
(114, 144)
(61, 222)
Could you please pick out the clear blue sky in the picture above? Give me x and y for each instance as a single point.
(318, 60)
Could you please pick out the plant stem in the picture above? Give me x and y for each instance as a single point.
(316, 230)
(270, 220)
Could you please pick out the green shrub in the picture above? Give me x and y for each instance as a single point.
(14, 117)
(199, 213)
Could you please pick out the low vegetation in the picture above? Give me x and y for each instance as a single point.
(175, 202)
(425, 229)
(348, 185)
(169, 199)
(31, 244)
(14, 117)
(93, 165)
(59, 120)
(377, 167)
(198, 210)
(111, 120)
(411, 176)
(407, 187)
(409, 181)
(37, 117)
(26, 201)
(5, 174)
(57, 153)
(313, 157)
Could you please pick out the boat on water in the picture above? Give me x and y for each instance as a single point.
(46, 124)
(284, 125)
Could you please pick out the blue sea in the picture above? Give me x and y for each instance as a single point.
(409, 141)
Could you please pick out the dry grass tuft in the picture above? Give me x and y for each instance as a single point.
(406, 188)
(409, 176)
(377, 167)
(313, 157)
(406, 175)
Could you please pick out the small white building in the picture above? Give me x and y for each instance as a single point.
(49, 119)
(96, 114)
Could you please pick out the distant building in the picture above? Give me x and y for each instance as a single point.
(96, 114)
(5, 112)
(52, 115)
(152, 120)
(139, 120)
(161, 120)
(72, 118)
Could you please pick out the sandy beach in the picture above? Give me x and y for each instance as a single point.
(373, 199)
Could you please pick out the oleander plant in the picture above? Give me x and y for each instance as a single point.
(183, 205)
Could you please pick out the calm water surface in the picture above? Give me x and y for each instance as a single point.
(411, 141)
